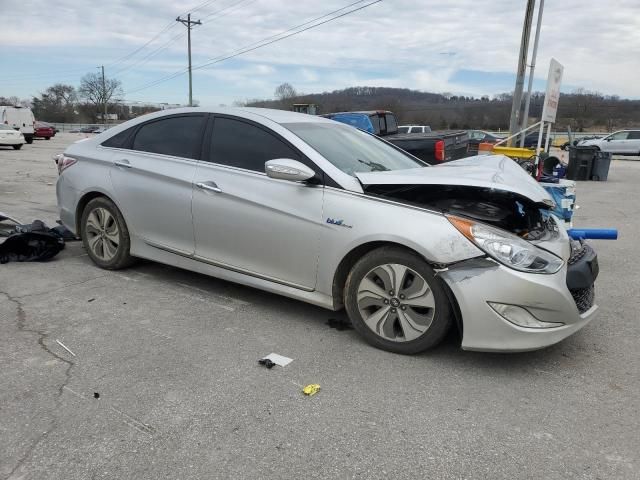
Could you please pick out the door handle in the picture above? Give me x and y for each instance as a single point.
(211, 186)
(122, 163)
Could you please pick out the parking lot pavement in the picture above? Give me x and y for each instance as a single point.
(165, 381)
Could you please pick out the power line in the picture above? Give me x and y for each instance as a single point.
(126, 57)
(261, 43)
(166, 45)
(226, 8)
(167, 27)
(302, 25)
(153, 53)
(246, 50)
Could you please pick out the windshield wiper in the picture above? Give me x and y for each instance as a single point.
(375, 167)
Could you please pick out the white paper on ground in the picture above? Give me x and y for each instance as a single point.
(279, 359)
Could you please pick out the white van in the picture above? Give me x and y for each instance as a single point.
(20, 118)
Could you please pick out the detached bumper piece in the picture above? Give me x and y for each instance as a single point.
(582, 271)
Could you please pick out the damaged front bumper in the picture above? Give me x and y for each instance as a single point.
(556, 305)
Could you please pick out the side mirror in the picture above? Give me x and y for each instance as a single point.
(288, 169)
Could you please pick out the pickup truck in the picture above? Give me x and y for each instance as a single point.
(432, 147)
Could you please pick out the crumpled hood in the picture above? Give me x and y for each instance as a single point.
(486, 171)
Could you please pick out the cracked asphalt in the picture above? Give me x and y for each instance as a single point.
(164, 380)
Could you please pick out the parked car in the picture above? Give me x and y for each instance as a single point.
(19, 118)
(623, 142)
(42, 130)
(53, 127)
(327, 214)
(11, 137)
(100, 130)
(476, 137)
(414, 129)
(433, 147)
(86, 129)
(531, 140)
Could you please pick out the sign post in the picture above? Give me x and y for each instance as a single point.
(551, 100)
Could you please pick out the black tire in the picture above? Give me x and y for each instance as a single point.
(17, 147)
(121, 258)
(442, 317)
(28, 139)
(47, 138)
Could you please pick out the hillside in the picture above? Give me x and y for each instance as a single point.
(580, 110)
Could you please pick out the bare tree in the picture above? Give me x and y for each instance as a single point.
(95, 93)
(56, 104)
(285, 91)
(14, 101)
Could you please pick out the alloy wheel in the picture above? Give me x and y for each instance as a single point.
(103, 234)
(396, 302)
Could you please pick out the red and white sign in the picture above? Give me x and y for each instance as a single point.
(552, 95)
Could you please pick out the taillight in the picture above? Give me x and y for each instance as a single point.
(64, 162)
(440, 151)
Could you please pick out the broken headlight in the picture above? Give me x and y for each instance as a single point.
(507, 248)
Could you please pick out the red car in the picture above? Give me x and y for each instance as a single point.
(43, 130)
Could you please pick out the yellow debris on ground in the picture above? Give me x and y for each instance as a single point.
(311, 389)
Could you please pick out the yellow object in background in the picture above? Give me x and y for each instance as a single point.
(311, 389)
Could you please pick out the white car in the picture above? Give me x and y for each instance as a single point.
(11, 137)
(624, 142)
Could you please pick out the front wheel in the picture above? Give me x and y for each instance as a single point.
(395, 302)
(47, 138)
(105, 235)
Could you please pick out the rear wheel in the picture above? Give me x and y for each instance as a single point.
(17, 147)
(28, 139)
(395, 302)
(105, 235)
(47, 138)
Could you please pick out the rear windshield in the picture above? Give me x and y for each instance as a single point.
(403, 129)
(352, 150)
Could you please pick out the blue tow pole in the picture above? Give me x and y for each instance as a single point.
(593, 233)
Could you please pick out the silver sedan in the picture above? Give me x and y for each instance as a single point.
(319, 211)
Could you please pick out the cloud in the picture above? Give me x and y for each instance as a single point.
(393, 43)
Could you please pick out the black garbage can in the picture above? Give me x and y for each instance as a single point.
(581, 162)
(601, 163)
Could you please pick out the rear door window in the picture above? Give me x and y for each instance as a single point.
(634, 135)
(119, 140)
(391, 123)
(178, 136)
(244, 145)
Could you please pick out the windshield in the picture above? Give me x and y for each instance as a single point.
(403, 129)
(352, 150)
(5, 127)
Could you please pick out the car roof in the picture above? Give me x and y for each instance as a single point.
(277, 116)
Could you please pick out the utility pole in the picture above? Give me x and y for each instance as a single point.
(532, 67)
(104, 97)
(522, 65)
(188, 23)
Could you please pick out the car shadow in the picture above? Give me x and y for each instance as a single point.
(449, 350)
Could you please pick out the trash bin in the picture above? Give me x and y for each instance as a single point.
(601, 163)
(581, 162)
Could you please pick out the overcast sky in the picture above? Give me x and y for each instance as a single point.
(463, 47)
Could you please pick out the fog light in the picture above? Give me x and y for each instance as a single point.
(521, 316)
